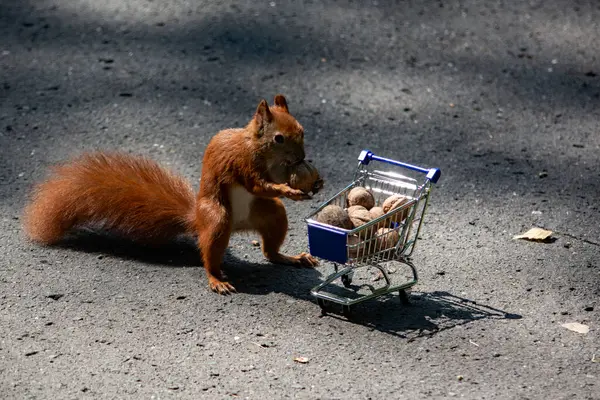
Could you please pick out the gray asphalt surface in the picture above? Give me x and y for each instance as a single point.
(503, 97)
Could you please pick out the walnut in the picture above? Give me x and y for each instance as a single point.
(303, 176)
(396, 201)
(334, 215)
(359, 196)
(387, 238)
(359, 215)
(375, 213)
(353, 247)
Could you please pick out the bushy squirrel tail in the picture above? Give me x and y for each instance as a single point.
(129, 195)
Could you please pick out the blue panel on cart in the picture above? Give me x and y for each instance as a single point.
(327, 244)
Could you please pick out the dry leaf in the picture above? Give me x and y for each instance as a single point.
(534, 234)
(302, 360)
(576, 327)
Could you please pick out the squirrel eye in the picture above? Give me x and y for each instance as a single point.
(279, 138)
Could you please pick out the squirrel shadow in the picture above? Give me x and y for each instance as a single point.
(178, 253)
(258, 278)
(427, 315)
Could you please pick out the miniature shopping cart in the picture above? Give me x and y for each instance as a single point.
(369, 245)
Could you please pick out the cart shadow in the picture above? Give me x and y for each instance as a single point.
(427, 314)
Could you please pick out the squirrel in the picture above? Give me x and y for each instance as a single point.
(137, 198)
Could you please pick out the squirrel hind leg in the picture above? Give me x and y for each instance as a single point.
(213, 239)
(273, 230)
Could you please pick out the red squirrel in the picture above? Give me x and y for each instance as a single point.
(137, 198)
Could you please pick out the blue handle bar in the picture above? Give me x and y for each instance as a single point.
(433, 174)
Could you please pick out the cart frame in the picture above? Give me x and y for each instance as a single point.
(368, 245)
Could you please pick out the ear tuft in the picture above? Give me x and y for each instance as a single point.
(281, 102)
(263, 114)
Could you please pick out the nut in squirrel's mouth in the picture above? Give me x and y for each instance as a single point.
(294, 163)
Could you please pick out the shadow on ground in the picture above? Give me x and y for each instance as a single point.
(426, 315)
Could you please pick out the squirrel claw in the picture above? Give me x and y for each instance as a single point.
(222, 288)
(307, 260)
(302, 260)
(298, 195)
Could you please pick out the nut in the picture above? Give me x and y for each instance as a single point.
(334, 215)
(305, 177)
(278, 173)
(359, 196)
(396, 201)
(387, 238)
(359, 215)
(375, 213)
(353, 248)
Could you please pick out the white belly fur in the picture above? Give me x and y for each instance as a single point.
(241, 201)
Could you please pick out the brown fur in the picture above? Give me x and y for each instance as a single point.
(135, 197)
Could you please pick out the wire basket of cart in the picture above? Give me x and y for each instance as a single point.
(390, 237)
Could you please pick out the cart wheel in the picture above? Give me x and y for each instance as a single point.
(346, 311)
(321, 304)
(346, 280)
(404, 298)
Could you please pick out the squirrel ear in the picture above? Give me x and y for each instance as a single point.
(281, 102)
(263, 114)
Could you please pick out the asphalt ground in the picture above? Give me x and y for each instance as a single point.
(501, 96)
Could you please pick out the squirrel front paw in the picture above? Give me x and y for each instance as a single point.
(301, 260)
(296, 194)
